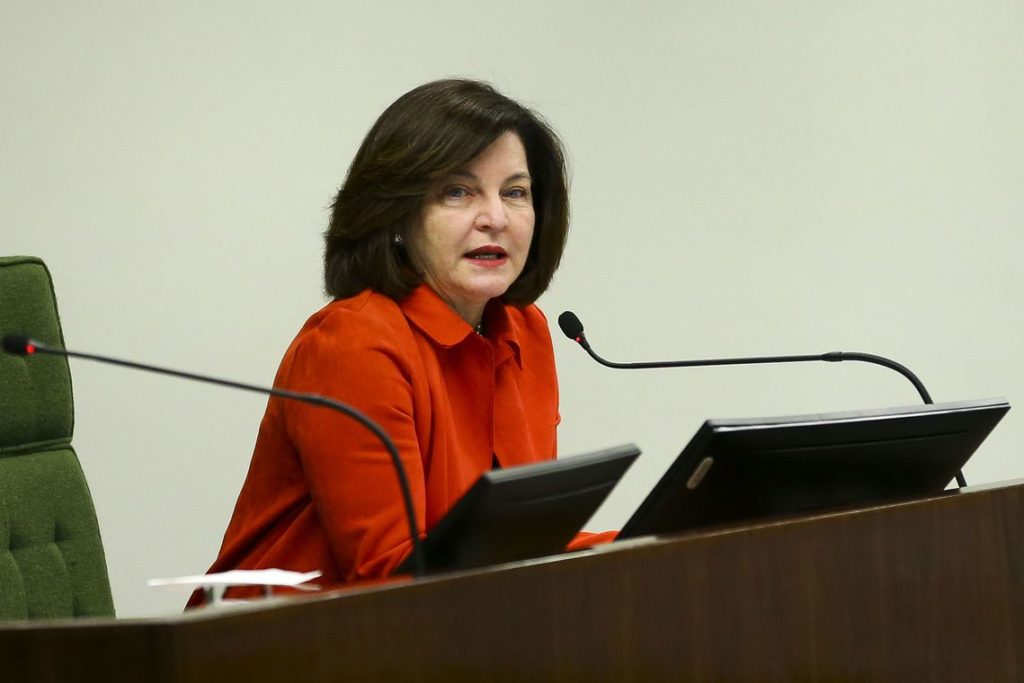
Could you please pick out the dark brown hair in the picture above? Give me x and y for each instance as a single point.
(426, 134)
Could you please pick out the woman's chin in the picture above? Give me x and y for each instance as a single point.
(481, 288)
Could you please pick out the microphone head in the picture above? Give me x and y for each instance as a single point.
(571, 325)
(18, 343)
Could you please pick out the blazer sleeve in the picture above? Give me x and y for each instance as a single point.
(350, 474)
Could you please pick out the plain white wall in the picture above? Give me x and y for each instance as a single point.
(749, 178)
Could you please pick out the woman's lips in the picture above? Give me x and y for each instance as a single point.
(488, 257)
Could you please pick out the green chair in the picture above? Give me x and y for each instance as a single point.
(51, 557)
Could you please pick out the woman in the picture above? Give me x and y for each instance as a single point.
(450, 223)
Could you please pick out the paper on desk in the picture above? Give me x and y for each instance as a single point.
(243, 577)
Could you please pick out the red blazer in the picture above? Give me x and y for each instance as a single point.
(321, 492)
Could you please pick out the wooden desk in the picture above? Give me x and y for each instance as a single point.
(931, 589)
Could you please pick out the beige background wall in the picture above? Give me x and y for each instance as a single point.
(749, 178)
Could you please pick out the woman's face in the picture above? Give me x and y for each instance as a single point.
(474, 233)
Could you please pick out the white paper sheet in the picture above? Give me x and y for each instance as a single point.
(243, 577)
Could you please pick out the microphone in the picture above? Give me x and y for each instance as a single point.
(20, 344)
(573, 329)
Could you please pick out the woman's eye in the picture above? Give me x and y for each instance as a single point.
(456, 192)
(516, 193)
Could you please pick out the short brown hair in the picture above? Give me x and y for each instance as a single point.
(426, 134)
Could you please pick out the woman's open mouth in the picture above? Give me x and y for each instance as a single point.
(488, 256)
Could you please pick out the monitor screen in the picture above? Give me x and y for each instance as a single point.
(523, 512)
(739, 470)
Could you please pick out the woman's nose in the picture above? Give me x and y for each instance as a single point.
(493, 214)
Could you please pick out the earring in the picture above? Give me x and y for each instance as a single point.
(398, 239)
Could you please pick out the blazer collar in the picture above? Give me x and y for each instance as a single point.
(438, 321)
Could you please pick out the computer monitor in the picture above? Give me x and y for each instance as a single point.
(523, 512)
(747, 469)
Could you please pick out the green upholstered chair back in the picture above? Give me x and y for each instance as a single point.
(51, 556)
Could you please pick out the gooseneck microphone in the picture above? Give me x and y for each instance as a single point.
(573, 329)
(23, 345)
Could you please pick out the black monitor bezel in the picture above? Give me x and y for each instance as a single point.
(523, 512)
(683, 500)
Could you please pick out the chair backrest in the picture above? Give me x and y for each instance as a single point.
(51, 556)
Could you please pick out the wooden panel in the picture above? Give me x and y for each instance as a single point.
(925, 590)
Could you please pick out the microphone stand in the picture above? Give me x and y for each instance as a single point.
(573, 329)
(25, 346)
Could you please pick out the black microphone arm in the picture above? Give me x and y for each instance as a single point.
(23, 345)
(573, 329)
